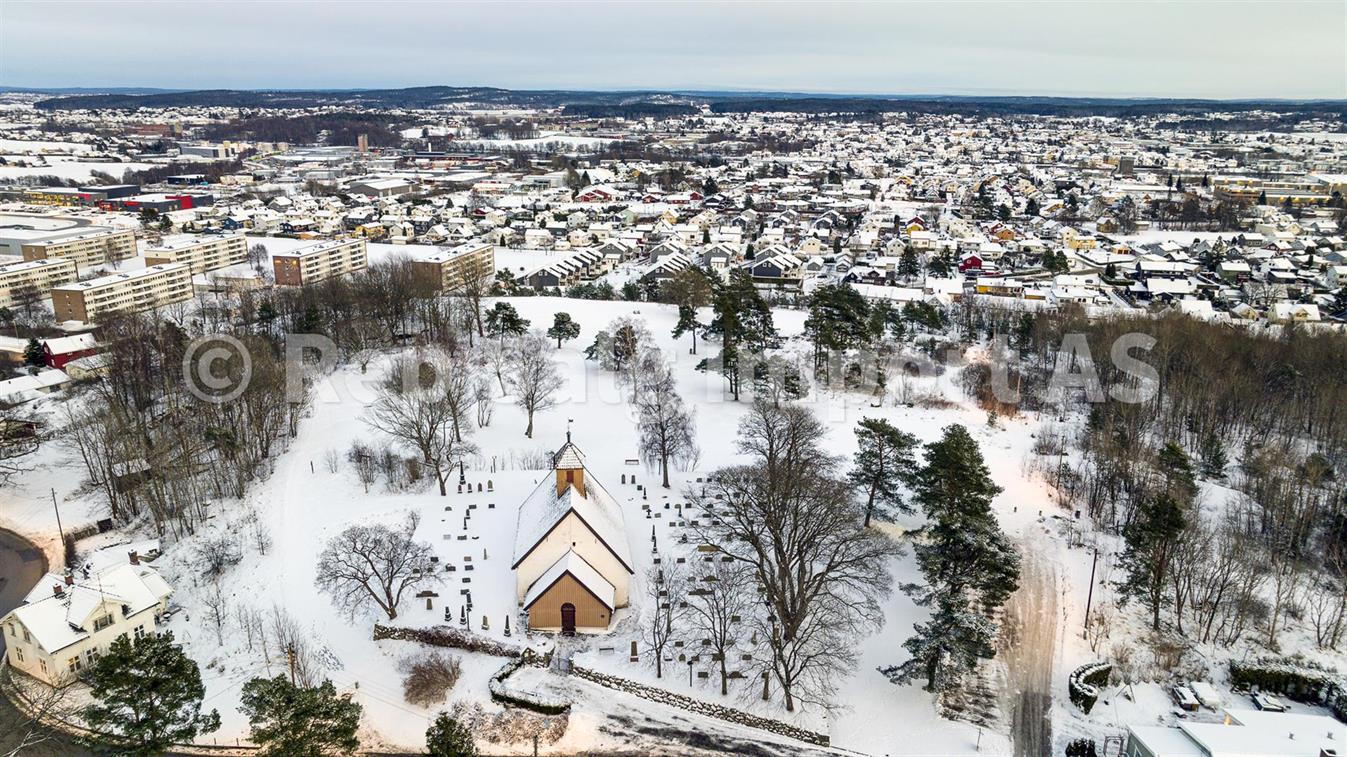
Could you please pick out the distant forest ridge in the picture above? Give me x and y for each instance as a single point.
(659, 104)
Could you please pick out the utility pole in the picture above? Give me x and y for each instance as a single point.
(59, 529)
(1089, 596)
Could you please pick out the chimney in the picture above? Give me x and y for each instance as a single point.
(135, 557)
(58, 590)
(69, 579)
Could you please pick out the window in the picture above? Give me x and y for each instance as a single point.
(103, 622)
(18, 654)
(139, 632)
(42, 664)
(26, 637)
(74, 664)
(90, 655)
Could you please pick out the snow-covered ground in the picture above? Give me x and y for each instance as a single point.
(303, 503)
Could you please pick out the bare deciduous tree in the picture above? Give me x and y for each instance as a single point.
(794, 522)
(534, 376)
(721, 603)
(666, 426)
(665, 587)
(375, 564)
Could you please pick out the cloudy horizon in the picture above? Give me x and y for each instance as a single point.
(1219, 50)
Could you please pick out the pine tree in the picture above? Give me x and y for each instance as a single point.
(1151, 538)
(503, 319)
(838, 321)
(563, 328)
(743, 321)
(33, 354)
(884, 462)
(126, 716)
(447, 737)
(908, 267)
(1214, 459)
(1177, 469)
(969, 565)
(288, 720)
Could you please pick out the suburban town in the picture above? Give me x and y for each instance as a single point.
(474, 420)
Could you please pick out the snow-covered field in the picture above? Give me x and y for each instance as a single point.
(303, 503)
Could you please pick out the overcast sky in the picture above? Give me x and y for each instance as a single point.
(1079, 47)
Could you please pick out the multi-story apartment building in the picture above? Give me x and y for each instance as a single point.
(88, 248)
(130, 292)
(33, 279)
(206, 253)
(448, 271)
(64, 624)
(316, 262)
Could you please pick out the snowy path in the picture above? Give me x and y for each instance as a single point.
(1031, 620)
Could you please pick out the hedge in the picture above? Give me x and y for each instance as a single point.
(448, 636)
(1084, 682)
(524, 699)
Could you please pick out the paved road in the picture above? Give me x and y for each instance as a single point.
(1031, 619)
(21, 567)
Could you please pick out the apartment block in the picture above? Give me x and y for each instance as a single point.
(316, 262)
(448, 270)
(130, 292)
(203, 254)
(87, 249)
(31, 279)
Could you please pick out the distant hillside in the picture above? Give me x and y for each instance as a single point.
(649, 103)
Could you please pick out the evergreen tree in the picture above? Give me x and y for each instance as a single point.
(1339, 305)
(447, 737)
(1177, 469)
(147, 697)
(743, 321)
(1214, 458)
(563, 328)
(631, 292)
(941, 265)
(838, 321)
(1031, 207)
(689, 289)
(884, 462)
(969, 565)
(908, 267)
(297, 721)
(33, 355)
(1151, 538)
(503, 319)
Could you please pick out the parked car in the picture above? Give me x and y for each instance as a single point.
(1267, 703)
(1184, 698)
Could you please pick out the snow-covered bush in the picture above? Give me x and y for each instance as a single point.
(428, 677)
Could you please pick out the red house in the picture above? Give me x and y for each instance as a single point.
(62, 350)
(970, 261)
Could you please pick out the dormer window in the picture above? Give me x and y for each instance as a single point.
(103, 622)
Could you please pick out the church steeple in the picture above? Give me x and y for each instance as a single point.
(569, 464)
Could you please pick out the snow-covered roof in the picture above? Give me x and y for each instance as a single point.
(56, 621)
(575, 565)
(542, 510)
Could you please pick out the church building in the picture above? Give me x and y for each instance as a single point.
(572, 563)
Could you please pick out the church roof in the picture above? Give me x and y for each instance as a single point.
(574, 565)
(568, 457)
(542, 510)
